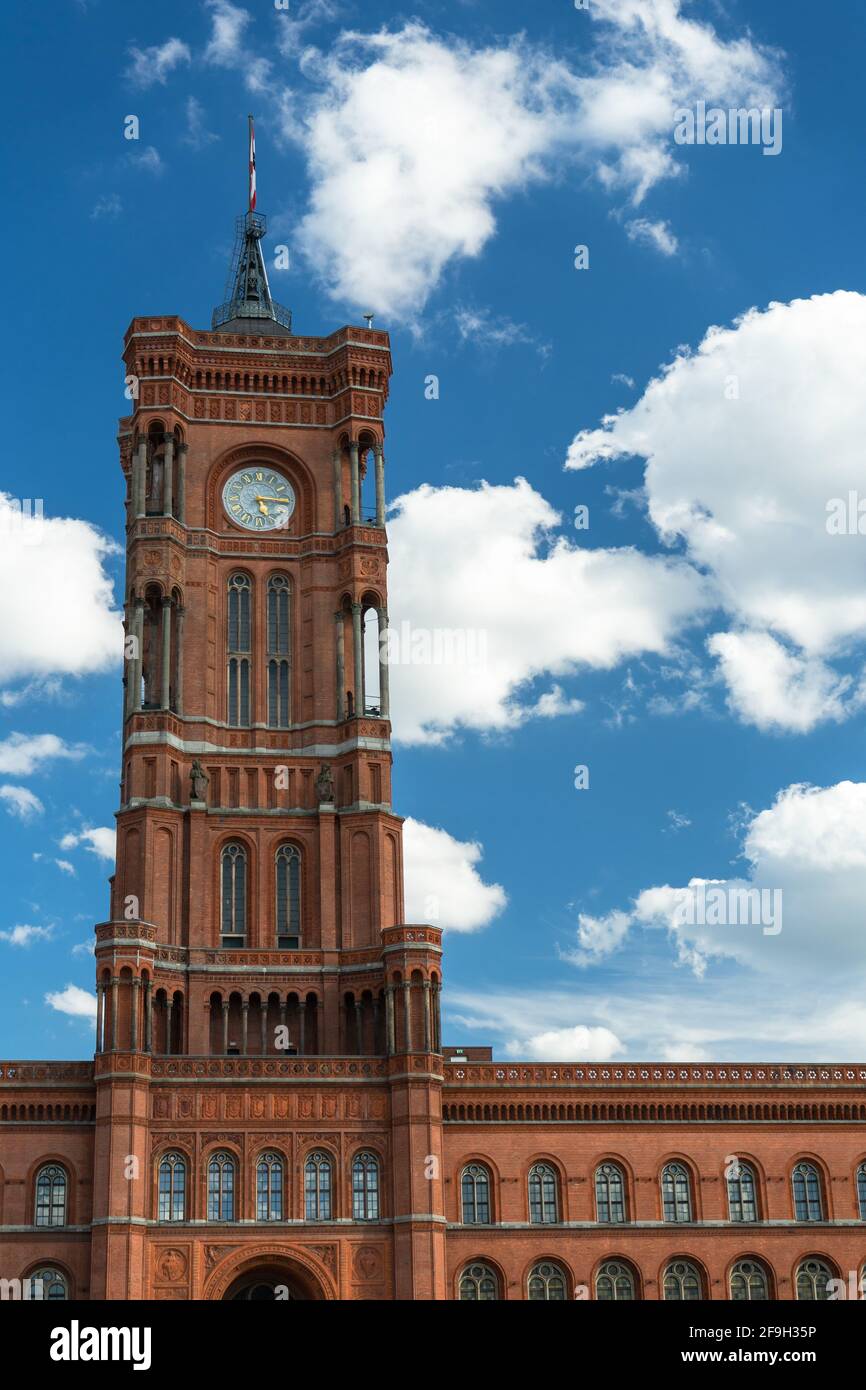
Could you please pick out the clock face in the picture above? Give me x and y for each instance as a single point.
(259, 499)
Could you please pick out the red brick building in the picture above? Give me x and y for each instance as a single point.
(270, 1111)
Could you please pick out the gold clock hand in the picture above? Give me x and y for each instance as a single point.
(277, 501)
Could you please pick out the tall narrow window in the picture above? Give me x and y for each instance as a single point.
(318, 1181)
(365, 1188)
(861, 1191)
(614, 1283)
(807, 1193)
(543, 1205)
(238, 644)
(609, 1193)
(475, 1191)
(221, 1188)
(172, 1187)
(51, 1196)
(269, 1188)
(233, 871)
(742, 1203)
(278, 652)
(676, 1193)
(288, 869)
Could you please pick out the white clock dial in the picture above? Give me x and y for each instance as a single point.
(259, 499)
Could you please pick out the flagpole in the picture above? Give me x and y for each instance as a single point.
(252, 164)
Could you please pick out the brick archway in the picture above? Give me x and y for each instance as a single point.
(302, 1274)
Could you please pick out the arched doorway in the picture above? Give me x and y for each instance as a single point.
(270, 1278)
(266, 1285)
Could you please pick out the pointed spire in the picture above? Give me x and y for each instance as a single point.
(249, 307)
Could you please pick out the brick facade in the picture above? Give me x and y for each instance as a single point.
(244, 1012)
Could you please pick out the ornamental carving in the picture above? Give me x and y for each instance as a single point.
(171, 1139)
(367, 1263)
(171, 1265)
(214, 1253)
(327, 1254)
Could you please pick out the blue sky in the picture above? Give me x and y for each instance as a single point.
(699, 648)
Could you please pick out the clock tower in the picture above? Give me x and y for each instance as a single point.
(256, 936)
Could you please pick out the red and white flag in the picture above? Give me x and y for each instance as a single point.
(252, 166)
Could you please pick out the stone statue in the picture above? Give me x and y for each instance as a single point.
(324, 784)
(199, 779)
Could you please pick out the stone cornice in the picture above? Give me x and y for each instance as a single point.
(172, 326)
(46, 1074)
(758, 1075)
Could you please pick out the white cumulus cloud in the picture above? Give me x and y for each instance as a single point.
(21, 802)
(747, 441)
(25, 935)
(414, 139)
(21, 754)
(443, 883)
(57, 612)
(806, 858)
(99, 840)
(74, 1001)
(504, 600)
(577, 1044)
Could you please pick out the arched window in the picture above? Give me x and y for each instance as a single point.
(233, 874)
(47, 1285)
(547, 1283)
(742, 1199)
(51, 1196)
(172, 1187)
(318, 1182)
(807, 1193)
(543, 1205)
(221, 1188)
(475, 1192)
(269, 1188)
(609, 1193)
(676, 1193)
(365, 1187)
(682, 1283)
(278, 652)
(238, 650)
(614, 1283)
(749, 1283)
(478, 1283)
(861, 1191)
(813, 1276)
(288, 871)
